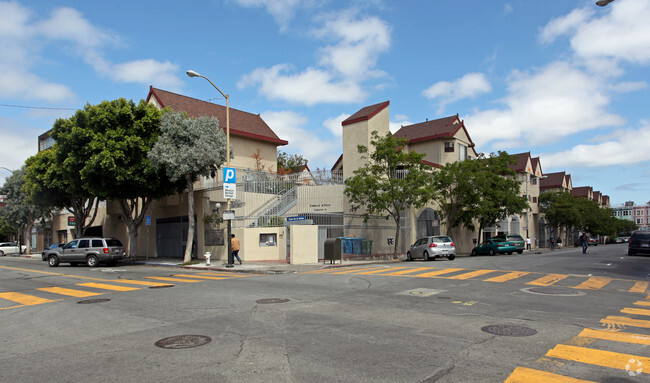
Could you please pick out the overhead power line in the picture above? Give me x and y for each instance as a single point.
(34, 107)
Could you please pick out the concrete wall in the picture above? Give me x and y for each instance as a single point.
(304, 244)
(251, 250)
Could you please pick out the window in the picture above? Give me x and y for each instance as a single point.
(533, 181)
(639, 221)
(268, 240)
(534, 199)
(449, 147)
(84, 243)
(462, 152)
(98, 243)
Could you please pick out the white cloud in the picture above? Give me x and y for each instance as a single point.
(148, 72)
(470, 85)
(281, 10)
(542, 107)
(626, 149)
(334, 124)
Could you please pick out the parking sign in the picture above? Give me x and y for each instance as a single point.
(229, 176)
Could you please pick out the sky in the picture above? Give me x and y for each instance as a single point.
(564, 79)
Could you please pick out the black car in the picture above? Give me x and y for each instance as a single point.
(639, 243)
(52, 246)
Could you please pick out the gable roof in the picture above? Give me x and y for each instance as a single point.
(242, 123)
(583, 191)
(553, 180)
(434, 129)
(522, 163)
(536, 164)
(365, 114)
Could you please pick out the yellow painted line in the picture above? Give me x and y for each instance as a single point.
(437, 272)
(508, 277)
(597, 357)
(616, 336)
(225, 274)
(408, 271)
(593, 283)
(175, 279)
(528, 375)
(140, 283)
(642, 303)
(24, 299)
(104, 286)
(472, 274)
(68, 292)
(635, 311)
(198, 276)
(381, 271)
(548, 280)
(355, 270)
(639, 287)
(624, 321)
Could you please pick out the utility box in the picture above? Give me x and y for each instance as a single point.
(332, 250)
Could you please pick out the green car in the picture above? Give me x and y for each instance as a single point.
(494, 246)
(516, 239)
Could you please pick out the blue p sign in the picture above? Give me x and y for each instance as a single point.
(229, 176)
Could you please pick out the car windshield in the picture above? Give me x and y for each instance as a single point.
(441, 239)
(113, 243)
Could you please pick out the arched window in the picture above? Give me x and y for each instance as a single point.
(428, 223)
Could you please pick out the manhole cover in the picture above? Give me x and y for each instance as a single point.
(553, 290)
(508, 330)
(183, 341)
(271, 300)
(89, 301)
(160, 287)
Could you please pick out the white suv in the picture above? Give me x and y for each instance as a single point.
(11, 248)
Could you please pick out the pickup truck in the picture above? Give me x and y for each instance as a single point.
(11, 248)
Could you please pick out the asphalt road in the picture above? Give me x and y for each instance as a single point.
(530, 317)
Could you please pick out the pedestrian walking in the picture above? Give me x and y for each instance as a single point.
(552, 243)
(527, 243)
(235, 247)
(585, 242)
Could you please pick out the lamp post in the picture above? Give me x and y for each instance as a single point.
(192, 73)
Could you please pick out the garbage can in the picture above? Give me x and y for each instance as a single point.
(356, 245)
(346, 245)
(366, 246)
(332, 250)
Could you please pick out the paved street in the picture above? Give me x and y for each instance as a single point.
(532, 317)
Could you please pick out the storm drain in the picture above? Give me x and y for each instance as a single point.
(183, 341)
(271, 300)
(553, 290)
(508, 330)
(89, 301)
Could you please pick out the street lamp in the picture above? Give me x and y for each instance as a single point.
(192, 73)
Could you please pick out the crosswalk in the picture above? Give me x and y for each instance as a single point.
(41, 295)
(579, 282)
(617, 350)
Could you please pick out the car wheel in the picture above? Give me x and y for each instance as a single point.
(92, 261)
(492, 252)
(408, 257)
(451, 257)
(425, 256)
(474, 254)
(53, 261)
(2, 253)
(520, 252)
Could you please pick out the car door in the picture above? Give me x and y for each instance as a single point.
(80, 254)
(484, 247)
(69, 251)
(420, 247)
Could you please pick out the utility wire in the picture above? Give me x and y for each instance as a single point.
(34, 107)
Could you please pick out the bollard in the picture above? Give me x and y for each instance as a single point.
(207, 258)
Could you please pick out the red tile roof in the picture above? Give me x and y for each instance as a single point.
(242, 123)
(522, 161)
(535, 162)
(366, 113)
(434, 129)
(583, 191)
(553, 180)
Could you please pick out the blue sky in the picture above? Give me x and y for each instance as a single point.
(564, 79)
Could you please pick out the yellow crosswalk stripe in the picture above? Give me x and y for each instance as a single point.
(472, 274)
(639, 287)
(68, 292)
(198, 276)
(175, 279)
(24, 299)
(438, 272)
(596, 357)
(635, 311)
(105, 286)
(409, 271)
(380, 271)
(350, 271)
(593, 283)
(528, 375)
(616, 336)
(225, 275)
(548, 280)
(508, 277)
(642, 303)
(140, 283)
(617, 321)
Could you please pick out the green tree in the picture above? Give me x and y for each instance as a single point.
(391, 180)
(560, 209)
(290, 163)
(186, 149)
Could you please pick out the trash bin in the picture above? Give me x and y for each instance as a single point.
(366, 246)
(332, 250)
(346, 245)
(356, 245)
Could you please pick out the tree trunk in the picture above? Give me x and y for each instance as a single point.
(28, 238)
(190, 218)
(132, 216)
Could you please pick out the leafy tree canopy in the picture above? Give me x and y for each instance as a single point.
(290, 163)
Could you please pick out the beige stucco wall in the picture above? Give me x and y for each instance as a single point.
(250, 244)
(360, 134)
(243, 150)
(304, 244)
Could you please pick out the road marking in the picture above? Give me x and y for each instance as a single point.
(107, 287)
(635, 311)
(548, 280)
(24, 299)
(593, 283)
(616, 336)
(507, 277)
(68, 292)
(198, 276)
(175, 279)
(141, 283)
(614, 321)
(642, 303)
(380, 271)
(472, 274)
(528, 375)
(438, 272)
(229, 275)
(408, 271)
(355, 270)
(595, 357)
(639, 287)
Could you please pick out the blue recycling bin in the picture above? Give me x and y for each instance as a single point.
(356, 245)
(346, 245)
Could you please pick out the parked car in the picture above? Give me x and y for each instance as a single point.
(436, 246)
(639, 243)
(517, 239)
(90, 251)
(593, 240)
(11, 248)
(622, 239)
(494, 246)
(52, 246)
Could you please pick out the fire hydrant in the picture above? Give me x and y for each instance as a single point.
(207, 258)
